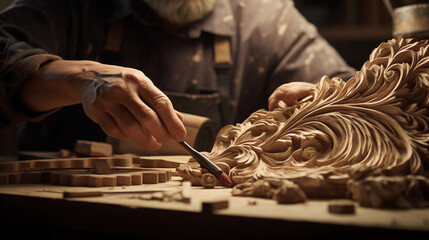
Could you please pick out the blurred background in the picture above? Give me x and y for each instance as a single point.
(353, 27)
(4, 3)
(7, 135)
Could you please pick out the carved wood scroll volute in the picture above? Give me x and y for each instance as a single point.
(374, 124)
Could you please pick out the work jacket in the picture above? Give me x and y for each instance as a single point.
(270, 43)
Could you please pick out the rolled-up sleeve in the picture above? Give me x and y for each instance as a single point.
(21, 35)
(18, 61)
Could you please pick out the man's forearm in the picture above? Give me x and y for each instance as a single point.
(54, 85)
(123, 101)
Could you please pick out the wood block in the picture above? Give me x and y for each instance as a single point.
(169, 175)
(136, 160)
(79, 163)
(87, 163)
(62, 163)
(109, 181)
(55, 178)
(4, 178)
(25, 165)
(162, 177)
(137, 179)
(31, 177)
(186, 191)
(65, 153)
(95, 181)
(212, 205)
(155, 163)
(78, 180)
(65, 179)
(73, 177)
(122, 161)
(341, 207)
(14, 178)
(123, 180)
(150, 178)
(45, 177)
(43, 164)
(93, 149)
(101, 166)
(9, 167)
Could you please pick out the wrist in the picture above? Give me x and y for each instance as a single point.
(55, 84)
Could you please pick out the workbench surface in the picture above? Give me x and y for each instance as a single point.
(42, 208)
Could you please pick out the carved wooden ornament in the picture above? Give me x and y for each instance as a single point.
(329, 144)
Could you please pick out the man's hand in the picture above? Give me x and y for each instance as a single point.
(290, 93)
(123, 101)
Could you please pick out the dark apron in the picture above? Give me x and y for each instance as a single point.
(213, 104)
(206, 105)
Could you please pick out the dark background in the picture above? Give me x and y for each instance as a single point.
(353, 27)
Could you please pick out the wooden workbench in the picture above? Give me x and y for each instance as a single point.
(29, 210)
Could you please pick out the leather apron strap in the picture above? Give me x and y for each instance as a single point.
(113, 44)
(222, 66)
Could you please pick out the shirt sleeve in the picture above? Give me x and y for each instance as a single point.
(18, 61)
(277, 45)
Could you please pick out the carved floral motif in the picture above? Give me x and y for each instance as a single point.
(377, 121)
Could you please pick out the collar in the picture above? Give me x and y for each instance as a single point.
(220, 22)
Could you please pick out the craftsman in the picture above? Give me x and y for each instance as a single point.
(76, 69)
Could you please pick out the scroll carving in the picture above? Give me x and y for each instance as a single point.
(373, 127)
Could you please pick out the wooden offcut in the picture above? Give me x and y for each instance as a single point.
(101, 166)
(209, 206)
(341, 207)
(93, 149)
(83, 172)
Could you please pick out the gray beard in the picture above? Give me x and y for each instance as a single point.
(182, 11)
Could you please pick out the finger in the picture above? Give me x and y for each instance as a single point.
(163, 107)
(110, 127)
(179, 115)
(272, 105)
(273, 101)
(299, 94)
(132, 128)
(147, 118)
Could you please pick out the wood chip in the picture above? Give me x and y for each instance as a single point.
(212, 205)
(341, 207)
